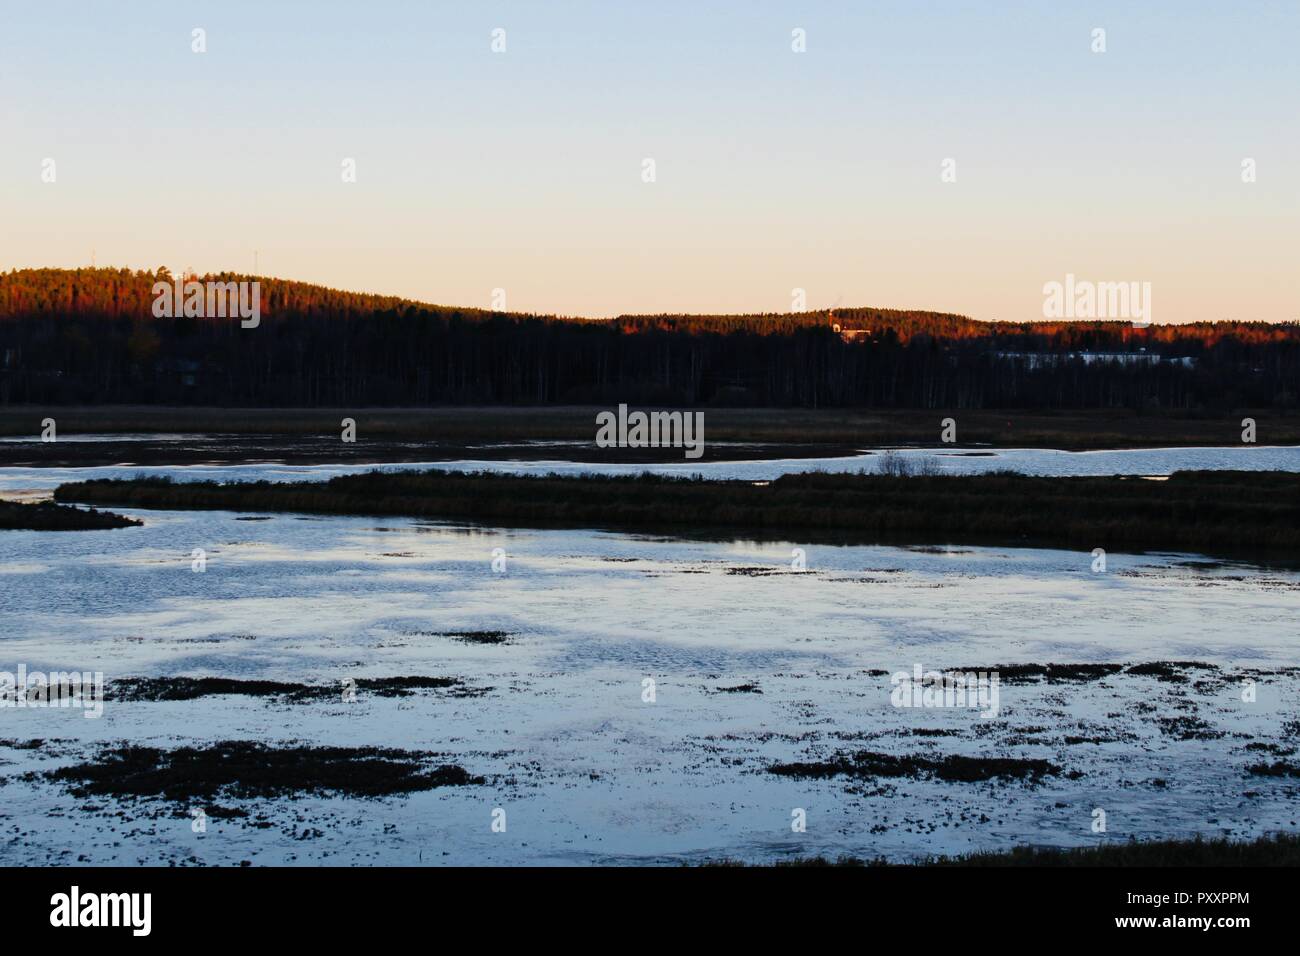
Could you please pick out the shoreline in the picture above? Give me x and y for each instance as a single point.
(1279, 849)
(214, 450)
(795, 431)
(1224, 513)
(1095, 678)
(48, 516)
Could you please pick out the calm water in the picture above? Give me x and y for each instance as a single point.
(585, 768)
(1034, 461)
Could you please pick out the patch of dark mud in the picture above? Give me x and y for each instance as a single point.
(953, 768)
(740, 689)
(1026, 739)
(1188, 728)
(469, 637)
(1169, 671)
(1277, 769)
(245, 769)
(136, 689)
(1052, 673)
(1278, 749)
(757, 572)
(478, 637)
(1073, 741)
(405, 686)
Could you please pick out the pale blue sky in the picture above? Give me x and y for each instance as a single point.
(775, 170)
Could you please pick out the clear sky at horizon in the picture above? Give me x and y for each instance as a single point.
(774, 170)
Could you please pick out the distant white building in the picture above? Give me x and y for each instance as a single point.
(851, 335)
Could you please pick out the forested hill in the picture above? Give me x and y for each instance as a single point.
(90, 336)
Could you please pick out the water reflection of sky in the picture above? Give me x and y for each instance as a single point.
(1036, 461)
(311, 582)
(587, 770)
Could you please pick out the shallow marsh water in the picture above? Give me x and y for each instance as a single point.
(1034, 461)
(754, 664)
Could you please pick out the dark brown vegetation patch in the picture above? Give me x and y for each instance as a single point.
(1188, 728)
(478, 637)
(48, 516)
(952, 768)
(1052, 673)
(245, 769)
(192, 688)
(1170, 671)
(1205, 511)
(1280, 849)
(1277, 769)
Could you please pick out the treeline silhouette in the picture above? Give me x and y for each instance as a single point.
(1222, 512)
(88, 336)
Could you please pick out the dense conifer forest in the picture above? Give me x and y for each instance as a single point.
(89, 336)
